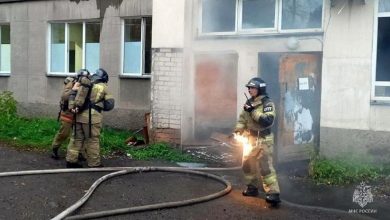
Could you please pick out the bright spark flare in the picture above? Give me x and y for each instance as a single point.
(247, 147)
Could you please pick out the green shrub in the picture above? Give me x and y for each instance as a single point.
(7, 105)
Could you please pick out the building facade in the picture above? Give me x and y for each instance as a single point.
(324, 62)
(44, 41)
(187, 61)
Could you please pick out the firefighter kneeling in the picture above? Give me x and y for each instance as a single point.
(256, 120)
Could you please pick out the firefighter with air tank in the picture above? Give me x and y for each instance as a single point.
(89, 99)
(65, 116)
(255, 122)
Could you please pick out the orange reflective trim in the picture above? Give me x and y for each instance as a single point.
(67, 118)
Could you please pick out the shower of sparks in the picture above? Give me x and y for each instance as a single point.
(247, 147)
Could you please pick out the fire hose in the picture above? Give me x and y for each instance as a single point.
(117, 171)
(127, 170)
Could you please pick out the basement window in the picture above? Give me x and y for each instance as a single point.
(137, 47)
(5, 49)
(74, 46)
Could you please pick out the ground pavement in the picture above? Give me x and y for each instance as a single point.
(42, 197)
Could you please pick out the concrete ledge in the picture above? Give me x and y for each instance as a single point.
(168, 50)
(370, 146)
(380, 102)
(124, 76)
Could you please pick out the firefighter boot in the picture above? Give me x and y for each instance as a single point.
(272, 198)
(250, 191)
(54, 153)
(81, 157)
(73, 165)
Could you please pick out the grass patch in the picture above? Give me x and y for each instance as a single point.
(38, 133)
(34, 133)
(160, 151)
(344, 171)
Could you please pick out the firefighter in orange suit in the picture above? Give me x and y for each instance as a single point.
(256, 120)
(65, 117)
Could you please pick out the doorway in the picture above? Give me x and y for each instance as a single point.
(294, 83)
(215, 94)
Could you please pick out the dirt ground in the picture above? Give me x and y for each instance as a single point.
(44, 196)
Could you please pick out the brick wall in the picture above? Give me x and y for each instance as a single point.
(166, 94)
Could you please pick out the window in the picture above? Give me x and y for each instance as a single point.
(137, 46)
(260, 16)
(384, 6)
(301, 14)
(381, 74)
(74, 46)
(219, 16)
(5, 49)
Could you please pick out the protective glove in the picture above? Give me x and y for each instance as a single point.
(248, 106)
(238, 131)
(266, 120)
(68, 80)
(75, 110)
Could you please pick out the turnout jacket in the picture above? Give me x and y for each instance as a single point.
(261, 118)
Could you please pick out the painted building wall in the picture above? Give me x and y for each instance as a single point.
(246, 47)
(347, 67)
(37, 93)
(350, 121)
(168, 23)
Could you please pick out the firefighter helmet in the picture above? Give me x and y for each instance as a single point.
(100, 75)
(82, 72)
(257, 83)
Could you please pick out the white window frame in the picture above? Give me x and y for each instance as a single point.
(375, 83)
(200, 20)
(305, 30)
(259, 31)
(143, 43)
(5, 73)
(66, 63)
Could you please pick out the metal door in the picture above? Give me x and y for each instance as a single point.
(295, 85)
(299, 79)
